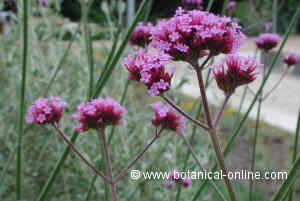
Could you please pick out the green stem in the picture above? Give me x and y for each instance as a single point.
(22, 101)
(251, 183)
(295, 154)
(88, 44)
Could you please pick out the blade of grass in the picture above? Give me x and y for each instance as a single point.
(5, 167)
(22, 100)
(245, 117)
(287, 184)
(120, 50)
(60, 65)
(296, 145)
(109, 58)
(88, 44)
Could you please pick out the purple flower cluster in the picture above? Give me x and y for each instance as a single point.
(150, 70)
(166, 117)
(291, 59)
(99, 113)
(267, 41)
(175, 177)
(235, 71)
(46, 110)
(187, 34)
(141, 35)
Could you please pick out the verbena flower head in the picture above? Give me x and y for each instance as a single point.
(187, 34)
(46, 110)
(178, 178)
(98, 113)
(267, 41)
(291, 59)
(150, 70)
(235, 71)
(141, 36)
(187, 182)
(231, 6)
(166, 117)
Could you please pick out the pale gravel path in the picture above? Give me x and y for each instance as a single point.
(280, 109)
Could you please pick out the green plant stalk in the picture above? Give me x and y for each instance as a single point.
(118, 54)
(109, 58)
(45, 190)
(287, 184)
(237, 130)
(296, 147)
(88, 44)
(274, 15)
(210, 3)
(22, 101)
(251, 183)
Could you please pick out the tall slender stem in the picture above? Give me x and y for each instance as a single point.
(221, 111)
(251, 183)
(203, 96)
(108, 164)
(72, 146)
(213, 134)
(22, 101)
(295, 154)
(277, 84)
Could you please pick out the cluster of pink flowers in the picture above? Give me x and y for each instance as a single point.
(186, 35)
(175, 177)
(267, 41)
(166, 117)
(46, 110)
(141, 35)
(235, 71)
(149, 69)
(291, 59)
(99, 113)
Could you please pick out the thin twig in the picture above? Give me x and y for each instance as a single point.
(72, 146)
(277, 84)
(108, 164)
(221, 111)
(124, 171)
(176, 107)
